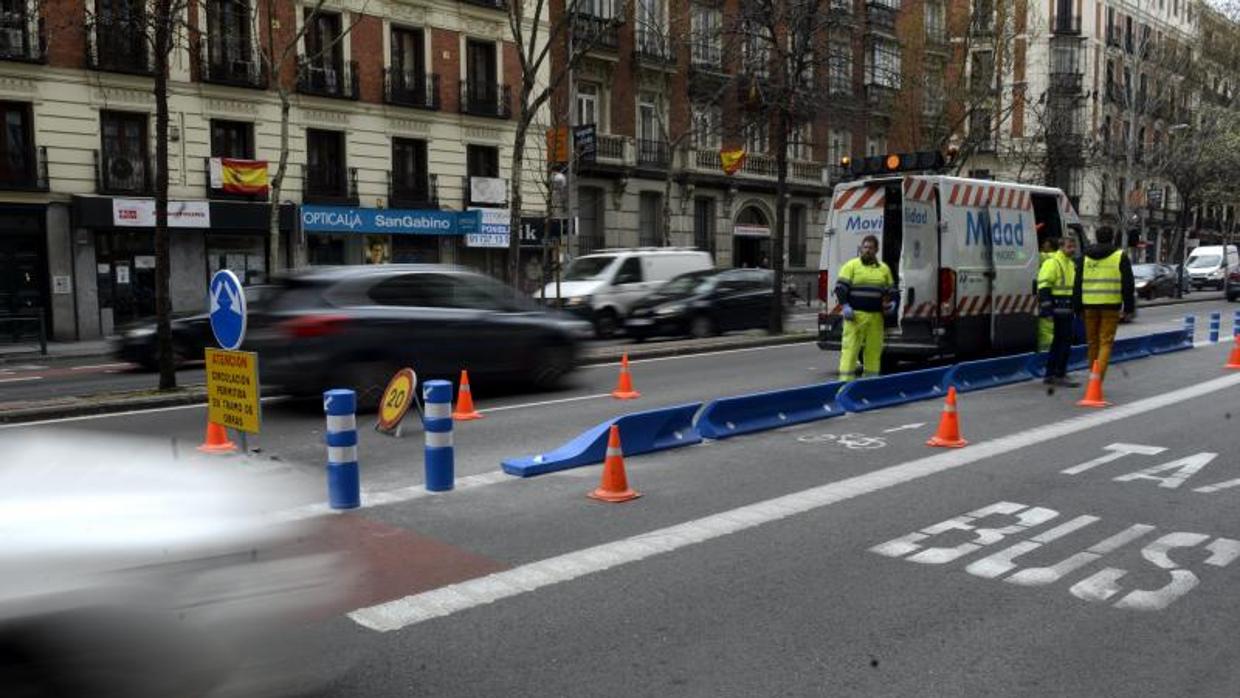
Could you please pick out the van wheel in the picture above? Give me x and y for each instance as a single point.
(701, 326)
(606, 323)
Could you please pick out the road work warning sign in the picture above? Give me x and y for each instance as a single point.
(232, 389)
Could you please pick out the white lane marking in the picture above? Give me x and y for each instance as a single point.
(808, 340)
(1183, 468)
(19, 380)
(544, 403)
(95, 366)
(404, 494)
(127, 413)
(415, 608)
(904, 427)
(1117, 451)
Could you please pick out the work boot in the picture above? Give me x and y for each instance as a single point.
(1066, 382)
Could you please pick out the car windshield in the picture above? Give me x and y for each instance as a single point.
(1204, 261)
(1145, 271)
(686, 284)
(586, 268)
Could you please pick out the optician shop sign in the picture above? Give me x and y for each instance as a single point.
(341, 219)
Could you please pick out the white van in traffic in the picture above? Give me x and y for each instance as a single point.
(603, 285)
(964, 254)
(1209, 266)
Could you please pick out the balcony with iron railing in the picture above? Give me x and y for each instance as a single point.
(653, 154)
(409, 89)
(1066, 25)
(706, 57)
(124, 174)
(221, 194)
(651, 47)
(21, 42)
(599, 33)
(936, 39)
(236, 67)
(881, 16)
(756, 166)
(117, 46)
(421, 193)
(1114, 37)
(840, 12)
(610, 147)
(25, 171)
(486, 99)
(879, 95)
(325, 79)
(329, 187)
(1066, 83)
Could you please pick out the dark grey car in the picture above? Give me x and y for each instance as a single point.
(353, 327)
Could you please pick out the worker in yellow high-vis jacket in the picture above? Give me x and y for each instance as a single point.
(1046, 321)
(1104, 292)
(1056, 279)
(866, 290)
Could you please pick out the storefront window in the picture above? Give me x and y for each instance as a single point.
(378, 249)
(244, 255)
(323, 249)
(415, 249)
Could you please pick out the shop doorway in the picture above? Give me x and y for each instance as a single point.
(126, 275)
(23, 287)
(751, 239)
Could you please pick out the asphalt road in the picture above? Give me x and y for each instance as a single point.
(842, 557)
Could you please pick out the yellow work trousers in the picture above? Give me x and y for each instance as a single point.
(1046, 333)
(1100, 327)
(863, 333)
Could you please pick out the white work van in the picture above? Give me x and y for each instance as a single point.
(964, 254)
(603, 286)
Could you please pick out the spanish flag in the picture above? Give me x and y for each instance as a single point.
(732, 161)
(239, 176)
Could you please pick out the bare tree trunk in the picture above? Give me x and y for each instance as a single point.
(277, 185)
(514, 187)
(667, 204)
(776, 324)
(163, 301)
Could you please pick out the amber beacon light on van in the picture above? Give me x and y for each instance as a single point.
(923, 161)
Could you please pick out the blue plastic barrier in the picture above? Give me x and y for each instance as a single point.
(896, 389)
(1130, 348)
(641, 432)
(989, 373)
(1078, 360)
(1167, 342)
(746, 414)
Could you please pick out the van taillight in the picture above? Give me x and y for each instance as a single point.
(824, 282)
(947, 285)
(314, 325)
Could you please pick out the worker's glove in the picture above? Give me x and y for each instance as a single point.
(848, 312)
(889, 308)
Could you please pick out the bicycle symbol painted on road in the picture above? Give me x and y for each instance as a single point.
(856, 442)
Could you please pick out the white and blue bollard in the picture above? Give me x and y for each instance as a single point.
(1216, 325)
(1235, 324)
(344, 490)
(437, 423)
(1190, 328)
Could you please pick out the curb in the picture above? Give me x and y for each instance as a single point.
(1179, 301)
(637, 352)
(115, 402)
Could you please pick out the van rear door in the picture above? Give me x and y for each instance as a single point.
(967, 231)
(919, 256)
(1014, 254)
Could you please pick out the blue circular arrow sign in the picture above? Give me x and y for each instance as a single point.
(226, 300)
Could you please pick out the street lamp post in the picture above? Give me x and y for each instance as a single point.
(1179, 267)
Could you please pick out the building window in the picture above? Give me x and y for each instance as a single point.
(17, 153)
(587, 104)
(324, 50)
(982, 73)
(120, 36)
(325, 163)
(482, 161)
(410, 176)
(884, 67)
(591, 213)
(602, 9)
(230, 52)
(707, 124)
(756, 49)
(124, 161)
(935, 90)
(650, 232)
(796, 237)
(936, 26)
(839, 144)
(757, 139)
(408, 71)
(707, 23)
(650, 30)
(800, 142)
(482, 90)
(875, 145)
(840, 66)
(232, 139)
(981, 131)
(983, 16)
(647, 119)
(704, 224)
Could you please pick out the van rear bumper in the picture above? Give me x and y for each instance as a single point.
(915, 341)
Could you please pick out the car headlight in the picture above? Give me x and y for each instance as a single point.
(576, 301)
(1142, 284)
(1216, 274)
(670, 309)
(140, 333)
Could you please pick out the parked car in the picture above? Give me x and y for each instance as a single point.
(705, 303)
(602, 287)
(353, 327)
(191, 335)
(1211, 265)
(1154, 280)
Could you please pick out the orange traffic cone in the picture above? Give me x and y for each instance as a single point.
(217, 440)
(1234, 360)
(948, 435)
(624, 389)
(614, 486)
(1093, 392)
(465, 403)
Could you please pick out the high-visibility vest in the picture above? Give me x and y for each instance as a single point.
(863, 286)
(1101, 281)
(1058, 273)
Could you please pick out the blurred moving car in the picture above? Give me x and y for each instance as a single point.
(602, 287)
(334, 327)
(705, 303)
(1209, 266)
(131, 570)
(1154, 280)
(190, 336)
(1232, 289)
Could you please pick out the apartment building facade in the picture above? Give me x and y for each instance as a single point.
(667, 84)
(398, 109)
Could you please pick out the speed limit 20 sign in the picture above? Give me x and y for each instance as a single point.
(397, 398)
